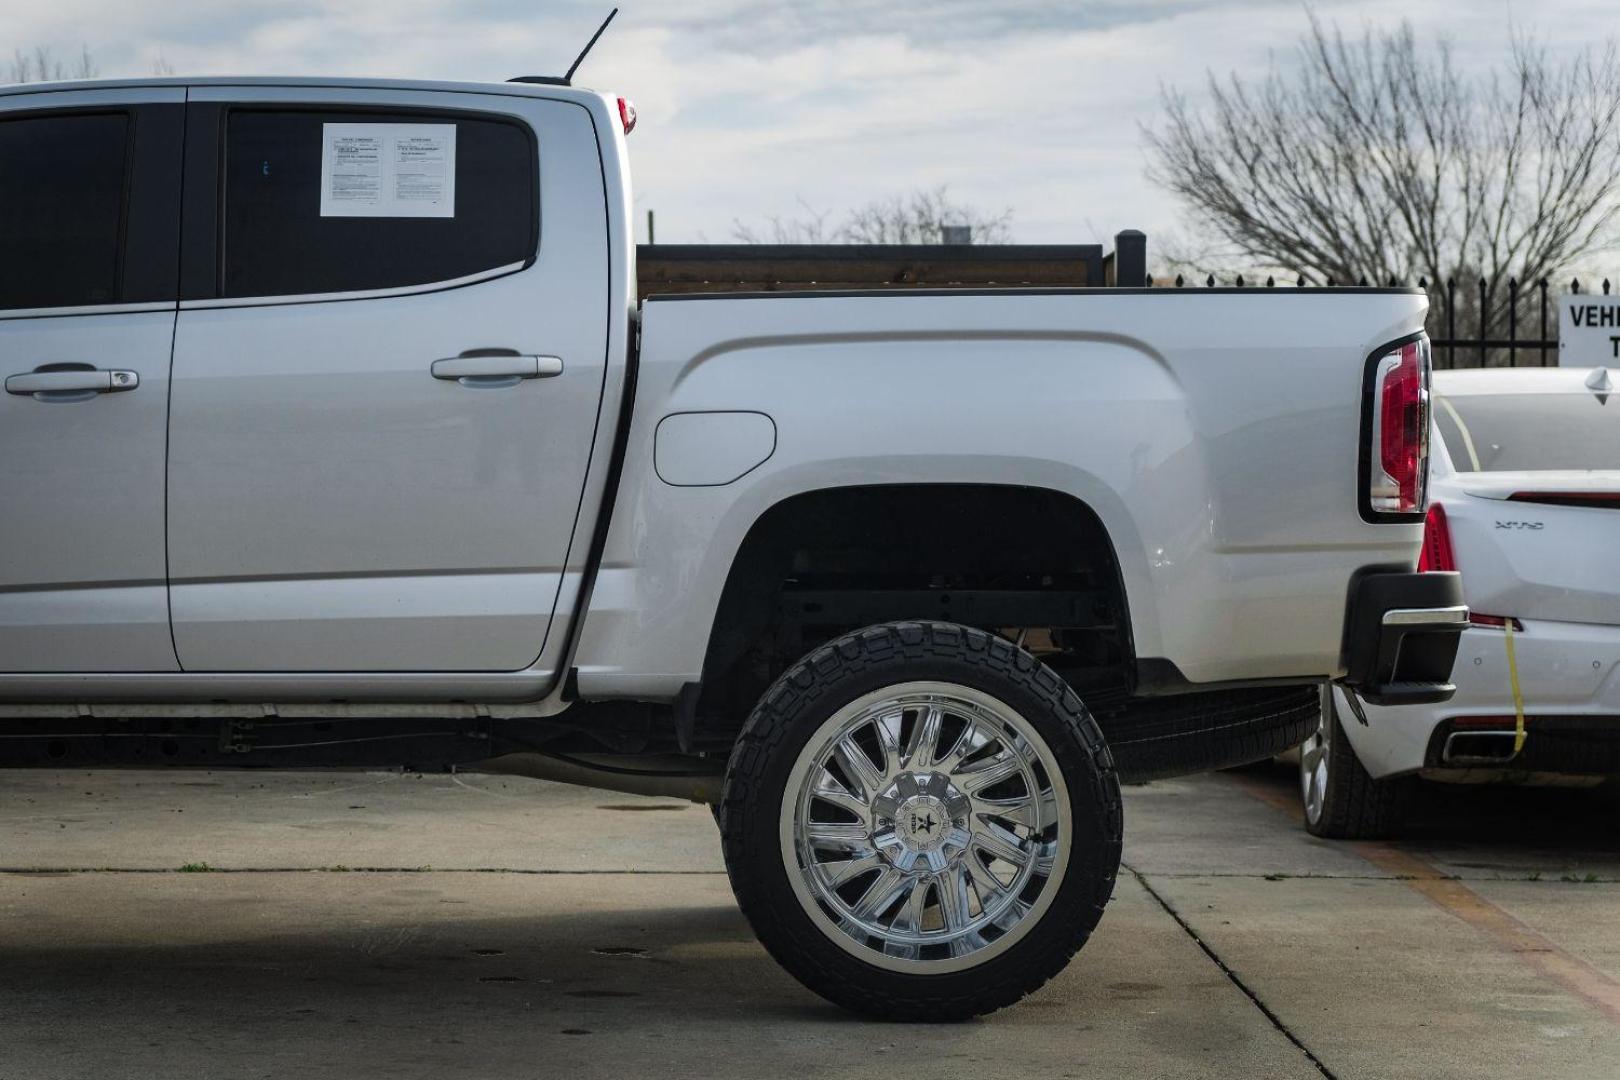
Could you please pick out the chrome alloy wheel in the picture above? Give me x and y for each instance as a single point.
(1313, 762)
(925, 827)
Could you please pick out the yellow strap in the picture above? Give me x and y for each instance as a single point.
(1513, 678)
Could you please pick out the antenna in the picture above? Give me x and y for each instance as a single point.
(568, 79)
(589, 45)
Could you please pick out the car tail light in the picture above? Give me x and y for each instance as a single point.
(627, 115)
(1483, 721)
(1399, 452)
(1599, 499)
(1437, 552)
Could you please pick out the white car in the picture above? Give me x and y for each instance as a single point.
(1525, 502)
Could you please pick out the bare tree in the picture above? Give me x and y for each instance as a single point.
(810, 227)
(41, 64)
(916, 218)
(920, 217)
(1378, 159)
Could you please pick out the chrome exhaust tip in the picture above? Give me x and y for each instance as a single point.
(1479, 748)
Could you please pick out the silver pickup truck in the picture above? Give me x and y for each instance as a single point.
(334, 434)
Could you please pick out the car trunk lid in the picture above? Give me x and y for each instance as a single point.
(1538, 545)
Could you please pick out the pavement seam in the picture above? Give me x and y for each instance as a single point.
(1232, 976)
(1452, 896)
(1534, 949)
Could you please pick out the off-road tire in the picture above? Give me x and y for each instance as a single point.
(794, 709)
(1354, 806)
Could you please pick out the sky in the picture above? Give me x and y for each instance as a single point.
(751, 109)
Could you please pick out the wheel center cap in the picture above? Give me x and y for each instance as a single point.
(922, 818)
(922, 822)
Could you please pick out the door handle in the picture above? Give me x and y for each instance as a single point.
(496, 370)
(71, 384)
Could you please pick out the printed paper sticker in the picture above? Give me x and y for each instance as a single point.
(388, 170)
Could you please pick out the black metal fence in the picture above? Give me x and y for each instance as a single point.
(1478, 324)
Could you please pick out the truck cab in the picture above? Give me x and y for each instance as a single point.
(217, 509)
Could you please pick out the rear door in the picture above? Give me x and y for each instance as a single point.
(89, 232)
(388, 365)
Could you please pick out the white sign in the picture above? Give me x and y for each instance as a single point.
(388, 170)
(1588, 331)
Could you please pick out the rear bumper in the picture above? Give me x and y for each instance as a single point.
(1569, 675)
(1401, 634)
(1554, 744)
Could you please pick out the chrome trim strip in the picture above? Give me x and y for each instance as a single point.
(88, 309)
(361, 294)
(1421, 617)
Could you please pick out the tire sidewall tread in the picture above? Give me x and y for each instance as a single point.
(1355, 806)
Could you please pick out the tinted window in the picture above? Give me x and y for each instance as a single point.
(1533, 432)
(276, 241)
(62, 184)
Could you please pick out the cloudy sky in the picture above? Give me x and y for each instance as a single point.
(749, 106)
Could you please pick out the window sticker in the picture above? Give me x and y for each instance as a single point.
(388, 170)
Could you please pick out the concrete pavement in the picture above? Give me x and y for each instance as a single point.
(401, 926)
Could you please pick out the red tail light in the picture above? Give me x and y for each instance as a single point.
(1437, 552)
(1569, 498)
(627, 115)
(1507, 721)
(1400, 435)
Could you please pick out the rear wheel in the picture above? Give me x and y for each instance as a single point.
(921, 822)
(1342, 800)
